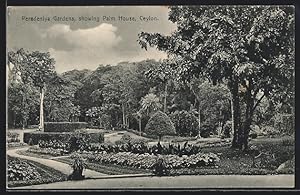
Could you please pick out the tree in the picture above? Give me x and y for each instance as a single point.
(185, 122)
(160, 124)
(249, 48)
(150, 104)
(163, 73)
(37, 67)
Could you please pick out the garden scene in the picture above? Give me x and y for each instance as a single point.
(220, 103)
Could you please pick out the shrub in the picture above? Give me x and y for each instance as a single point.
(160, 124)
(12, 137)
(64, 126)
(78, 165)
(160, 167)
(126, 138)
(94, 137)
(186, 123)
(205, 131)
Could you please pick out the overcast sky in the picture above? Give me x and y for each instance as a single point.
(86, 44)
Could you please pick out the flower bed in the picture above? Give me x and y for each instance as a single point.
(137, 148)
(15, 144)
(146, 161)
(47, 151)
(20, 170)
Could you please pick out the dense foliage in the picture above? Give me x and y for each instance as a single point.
(160, 124)
(186, 123)
(146, 161)
(18, 170)
(64, 126)
(249, 48)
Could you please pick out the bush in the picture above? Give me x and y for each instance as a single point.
(160, 124)
(60, 136)
(205, 131)
(12, 137)
(186, 124)
(64, 126)
(126, 138)
(160, 167)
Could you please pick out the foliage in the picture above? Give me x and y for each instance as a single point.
(186, 123)
(64, 126)
(24, 172)
(232, 44)
(160, 124)
(78, 165)
(18, 170)
(48, 150)
(146, 161)
(12, 137)
(150, 103)
(53, 137)
(160, 167)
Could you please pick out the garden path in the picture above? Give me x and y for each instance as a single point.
(182, 182)
(62, 167)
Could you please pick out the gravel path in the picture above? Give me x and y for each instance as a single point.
(179, 182)
(62, 167)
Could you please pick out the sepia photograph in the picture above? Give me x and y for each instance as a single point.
(150, 97)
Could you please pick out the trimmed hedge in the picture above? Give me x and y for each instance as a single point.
(64, 126)
(60, 136)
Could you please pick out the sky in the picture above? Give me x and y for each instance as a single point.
(108, 37)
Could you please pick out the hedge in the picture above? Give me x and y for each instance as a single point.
(63, 126)
(60, 136)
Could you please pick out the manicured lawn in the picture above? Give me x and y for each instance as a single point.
(45, 174)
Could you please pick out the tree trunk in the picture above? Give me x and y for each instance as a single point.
(165, 99)
(235, 114)
(199, 120)
(248, 120)
(140, 125)
(41, 125)
(123, 115)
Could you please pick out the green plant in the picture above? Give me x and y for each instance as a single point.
(78, 165)
(64, 126)
(126, 138)
(160, 124)
(186, 124)
(160, 167)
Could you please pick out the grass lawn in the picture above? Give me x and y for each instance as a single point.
(48, 175)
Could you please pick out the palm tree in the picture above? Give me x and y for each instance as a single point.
(150, 104)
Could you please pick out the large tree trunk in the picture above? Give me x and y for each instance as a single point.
(235, 114)
(41, 125)
(248, 120)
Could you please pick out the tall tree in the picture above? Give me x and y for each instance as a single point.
(250, 48)
(37, 67)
